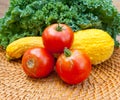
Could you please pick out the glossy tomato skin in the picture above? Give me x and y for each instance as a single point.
(55, 41)
(75, 68)
(37, 62)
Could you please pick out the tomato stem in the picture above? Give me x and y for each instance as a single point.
(67, 52)
(59, 28)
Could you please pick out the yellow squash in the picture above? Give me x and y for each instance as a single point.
(17, 48)
(97, 43)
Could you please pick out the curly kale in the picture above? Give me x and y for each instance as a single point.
(31, 17)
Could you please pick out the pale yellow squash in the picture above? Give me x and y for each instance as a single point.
(97, 43)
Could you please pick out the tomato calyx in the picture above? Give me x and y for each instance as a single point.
(59, 28)
(67, 52)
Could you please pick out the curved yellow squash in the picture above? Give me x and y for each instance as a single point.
(17, 48)
(97, 43)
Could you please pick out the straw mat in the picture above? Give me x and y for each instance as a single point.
(102, 84)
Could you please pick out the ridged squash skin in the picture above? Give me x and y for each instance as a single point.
(17, 48)
(97, 43)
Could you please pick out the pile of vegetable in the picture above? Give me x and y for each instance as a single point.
(30, 17)
(75, 52)
(68, 36)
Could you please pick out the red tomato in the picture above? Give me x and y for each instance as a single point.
(37, 62)
(56, 37)
(73, 68)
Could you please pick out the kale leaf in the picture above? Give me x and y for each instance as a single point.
(31, 17)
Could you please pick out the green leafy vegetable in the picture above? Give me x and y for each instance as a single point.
(30, 17)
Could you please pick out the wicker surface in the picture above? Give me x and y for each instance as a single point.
(102, 84)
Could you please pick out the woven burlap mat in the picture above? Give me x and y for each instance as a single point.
(102, 84)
